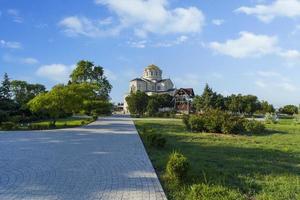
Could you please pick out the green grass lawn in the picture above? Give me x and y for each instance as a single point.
(260, 167)
(68, 122)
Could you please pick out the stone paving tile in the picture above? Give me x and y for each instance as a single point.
(104, 160)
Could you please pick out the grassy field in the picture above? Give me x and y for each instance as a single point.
(260, 167)
(68, 122)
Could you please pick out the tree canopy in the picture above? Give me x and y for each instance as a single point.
(88, 72)
(289, 110)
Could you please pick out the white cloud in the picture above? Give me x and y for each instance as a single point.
(278, 8)
(268, 74)
(247, 45)
(55, 72)
(177, 41)
(218, 22)
(290, 54)
(188, 80)
(260, 84)
(19, 60)
(10, 45)
(30, 61)
(274, 81)
(14, 13)
(287, 86)
(139, 44)
(154, 16)
(76, 25)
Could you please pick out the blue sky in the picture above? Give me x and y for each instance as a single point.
(245, 46)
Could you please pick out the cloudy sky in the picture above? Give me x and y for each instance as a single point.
(244, 46)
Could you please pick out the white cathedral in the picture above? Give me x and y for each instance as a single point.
(151, 83)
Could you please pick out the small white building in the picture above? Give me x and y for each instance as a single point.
(151, 83)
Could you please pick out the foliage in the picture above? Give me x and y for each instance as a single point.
(195, 123)
(253, 126)
(238, 104)
(5, 92)
(153, 106)
(62, 99)
(156, 140)
(177, 167)
(23, 92)
(289, 110)
(266, 107)
(217, 121)
(97, 107)
(186, 121)
(95, 117)
(261, 166)
(158, 101)
(233, 125)
(208, 99)
(242, 104)
(137, 103)
(209, 192)
(7, 126)
(3, 116)
(270, 118)
(88, 72)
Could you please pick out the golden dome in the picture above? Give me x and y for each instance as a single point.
(152, 67)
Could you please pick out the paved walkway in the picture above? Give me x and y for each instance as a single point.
(104, 160)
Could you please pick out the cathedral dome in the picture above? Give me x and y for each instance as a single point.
(152, 72)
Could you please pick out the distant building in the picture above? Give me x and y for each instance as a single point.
(183, 99)
(152, 83)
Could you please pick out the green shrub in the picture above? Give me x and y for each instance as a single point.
(177, 167)
(39, 126)
(253, 126)
(7, 126)
(232, 125)
(82, 123)
(196, 123)
(215, 121)
(208, 192)
(95, 117)
(186, 122)
(156, 140)
(51, 125)
(270, 118)
(3, 116)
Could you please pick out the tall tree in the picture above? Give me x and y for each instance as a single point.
(87, 72)
(265, 107)
(5, 92)
(23, 92)
(208, 99)
(137, 102)
(289, 109)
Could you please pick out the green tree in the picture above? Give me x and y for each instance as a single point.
(137, 102)
(63, 99)
(208, 99)
(251, 104)
(158, 101)
(5, 92)
(87, 72)
(289, 110)
(23, 92)
(153, 106)
(265, 107)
